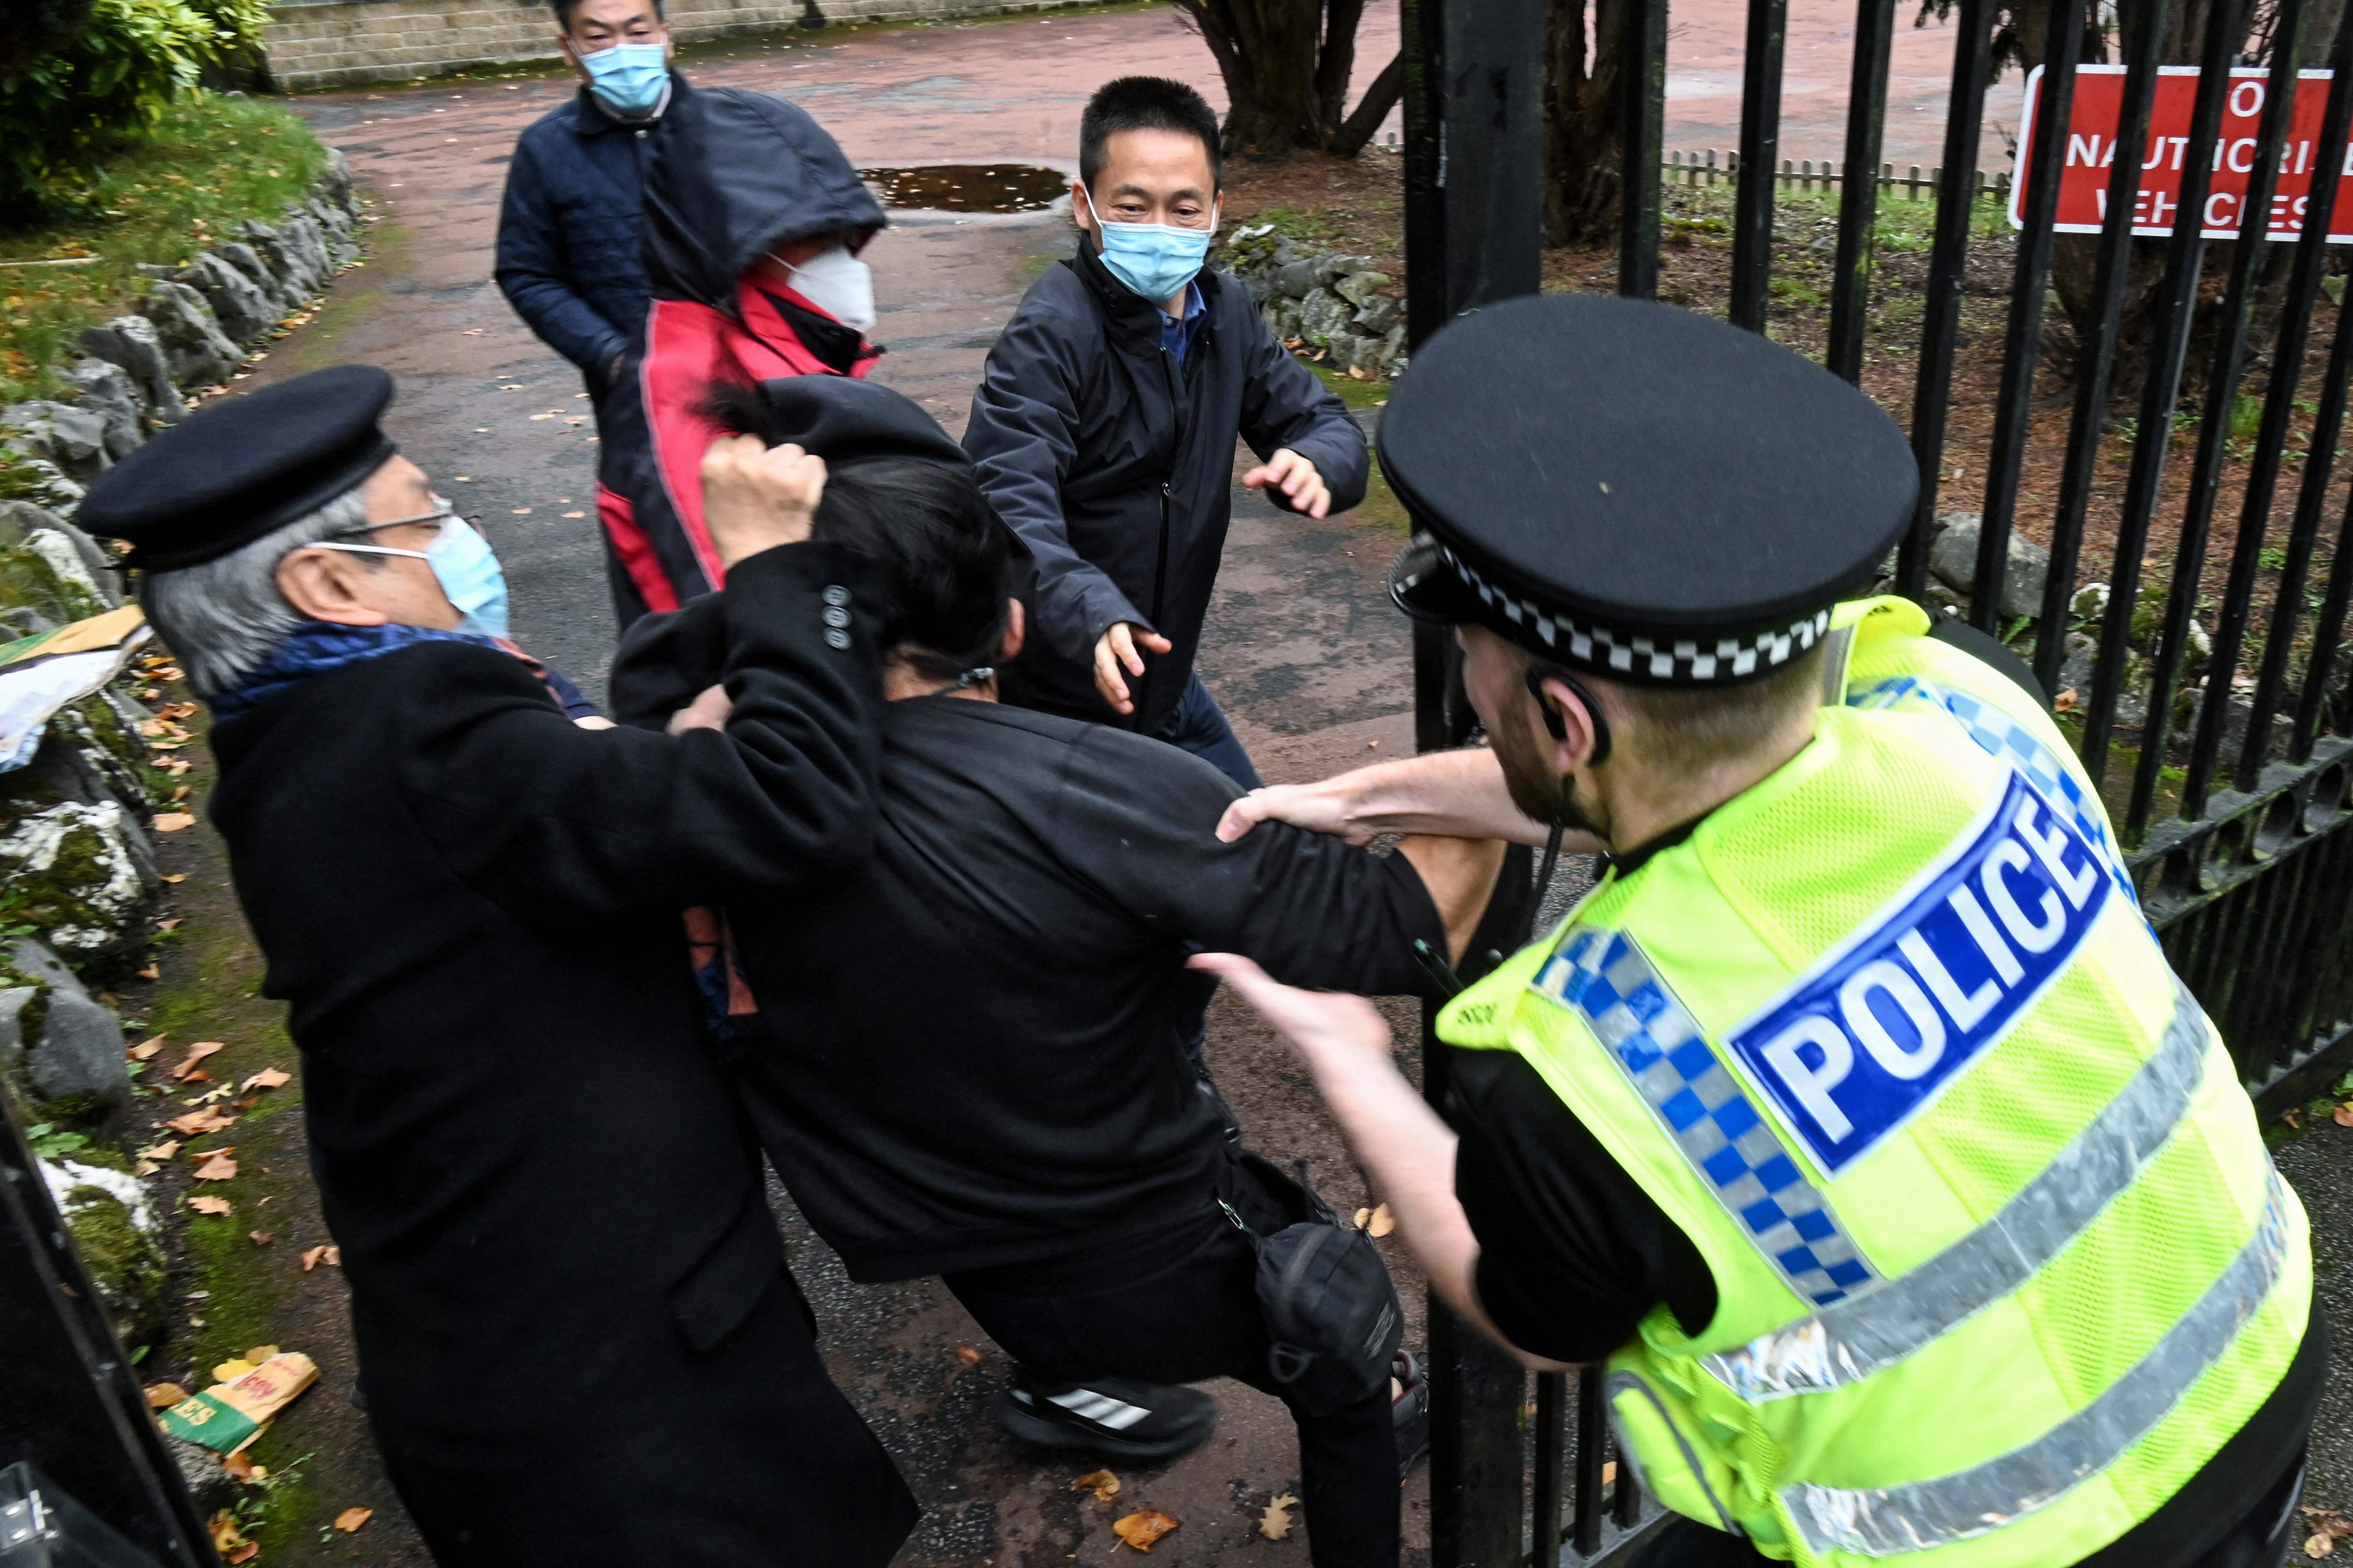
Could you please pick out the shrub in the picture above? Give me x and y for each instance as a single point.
(112, 79)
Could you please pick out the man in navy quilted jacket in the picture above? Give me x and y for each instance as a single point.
(570, 228)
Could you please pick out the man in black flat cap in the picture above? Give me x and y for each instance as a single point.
(972, 1063)
(578, 1340)
(1854, 1119)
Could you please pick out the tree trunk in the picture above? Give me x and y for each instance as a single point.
(1583, 138)
(1379, 98)
(1286, 64)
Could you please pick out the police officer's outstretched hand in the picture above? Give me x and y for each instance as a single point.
(1329, 1028)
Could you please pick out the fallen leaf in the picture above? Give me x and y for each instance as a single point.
(145, 1168)
(267, 1078)
(244, 1553)
(2320, 1545)
(261, 1237)
(196, 1123)
(350, 1519)
(198, 1074)
(196, 1053)
(966, 1354)
(260, 1353)
(145, 1049)
(576, 514)
(1276, 1521)
(247, 1103)
(1103, 1483)
(219, 1168)
(1141, 1530)
(151, 972)
(173, 821)
(331, 1255)
(164, 1396)
(204, 1203)
(2342, 1116)
(1383, 1222)
(161, 1150)
(238, 1468)
(227, 1536)
(176, 877)
(2067, 701)
(232, 1369)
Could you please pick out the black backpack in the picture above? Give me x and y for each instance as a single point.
(1331, 1308)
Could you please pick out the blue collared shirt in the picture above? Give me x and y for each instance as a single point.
(1177, 333)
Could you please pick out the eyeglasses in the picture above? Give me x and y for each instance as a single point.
(442, 512)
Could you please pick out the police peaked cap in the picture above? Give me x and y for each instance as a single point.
(1637, 490)
(243, 468)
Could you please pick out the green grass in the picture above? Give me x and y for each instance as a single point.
(209, 164)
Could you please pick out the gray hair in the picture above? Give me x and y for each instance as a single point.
(223, 618)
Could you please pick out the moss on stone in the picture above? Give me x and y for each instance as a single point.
(27, 579)
(124, 1261)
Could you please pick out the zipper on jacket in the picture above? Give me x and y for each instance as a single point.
(1170, 368)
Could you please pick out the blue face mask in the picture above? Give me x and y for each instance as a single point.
(630, 78)
(1155, 260)
(462, 563)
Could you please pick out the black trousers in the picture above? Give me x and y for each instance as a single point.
(1185, 1314)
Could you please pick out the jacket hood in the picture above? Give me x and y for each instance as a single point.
(734, 175)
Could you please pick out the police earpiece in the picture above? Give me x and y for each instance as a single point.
(1556, 724)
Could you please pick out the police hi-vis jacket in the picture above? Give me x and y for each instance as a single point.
(2002, 1262)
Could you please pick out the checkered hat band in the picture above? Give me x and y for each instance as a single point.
(2010, 741)
(1672, 661)
(1604, 978)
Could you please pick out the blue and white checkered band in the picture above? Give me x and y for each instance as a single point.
(2001, 736)
(1682, 663)
(1603, 976)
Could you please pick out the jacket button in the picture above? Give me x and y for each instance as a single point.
(837, 594)
(834, 616)
(836, 638)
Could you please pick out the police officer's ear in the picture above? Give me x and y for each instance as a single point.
(1563, 701)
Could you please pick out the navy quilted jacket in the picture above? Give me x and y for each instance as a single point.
(572, 233)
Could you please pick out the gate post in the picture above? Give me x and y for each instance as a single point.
(1474, 233)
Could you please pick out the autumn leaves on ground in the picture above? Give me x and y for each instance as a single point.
(217, 1123)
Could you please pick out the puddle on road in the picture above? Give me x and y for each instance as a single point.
(969, 187)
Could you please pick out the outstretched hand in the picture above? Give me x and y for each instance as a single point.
(756, 496)
(1324, 1026)
(1322, 807)
(1294, 479)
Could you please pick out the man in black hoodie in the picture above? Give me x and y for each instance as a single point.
(1104, 429)
(754, 220)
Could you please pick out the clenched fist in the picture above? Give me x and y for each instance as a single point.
(756, 496)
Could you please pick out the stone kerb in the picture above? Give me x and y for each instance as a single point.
(190, 332)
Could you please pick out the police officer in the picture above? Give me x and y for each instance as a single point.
(1855, 1117)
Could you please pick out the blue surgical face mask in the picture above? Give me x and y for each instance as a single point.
(463, 564)
(1155, 260)
(630, 78)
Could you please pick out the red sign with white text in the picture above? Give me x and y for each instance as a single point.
(2089, 164)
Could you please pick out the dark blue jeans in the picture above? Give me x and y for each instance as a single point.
(1198, 725)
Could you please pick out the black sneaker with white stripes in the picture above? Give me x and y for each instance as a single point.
(1117, 1416)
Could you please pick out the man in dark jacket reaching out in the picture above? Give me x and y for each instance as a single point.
(577, 1338)
(1103, 427)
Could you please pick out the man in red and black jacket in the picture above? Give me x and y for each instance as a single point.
(754, 220)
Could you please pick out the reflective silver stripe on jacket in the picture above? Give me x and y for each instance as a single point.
(1882, 1521)
(1851, 1338)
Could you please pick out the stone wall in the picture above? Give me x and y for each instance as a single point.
(331, 42)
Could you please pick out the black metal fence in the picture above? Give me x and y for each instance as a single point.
(2209, 693)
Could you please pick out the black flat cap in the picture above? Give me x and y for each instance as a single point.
(242, 468)
(1638, 490)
